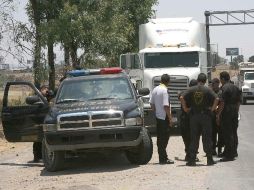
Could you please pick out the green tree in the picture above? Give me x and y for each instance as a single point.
(102, 29)
(91, 32)
(34, 11)
(50, 12)
(236, 60)
(251, 59)
(137, 13)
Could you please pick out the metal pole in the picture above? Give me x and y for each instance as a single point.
(207, 14)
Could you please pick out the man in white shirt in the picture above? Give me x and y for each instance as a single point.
(161, 106)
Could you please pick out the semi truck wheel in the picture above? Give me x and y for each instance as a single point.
(143, 153)
(244, 101)
(53, 160)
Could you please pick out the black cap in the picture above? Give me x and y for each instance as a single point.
(193, 82)
(215, 80)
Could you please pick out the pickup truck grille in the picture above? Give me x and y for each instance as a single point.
(73, 121)
(177, 84)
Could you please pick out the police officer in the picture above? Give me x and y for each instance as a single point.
(185, 123)
(215, 86)
(201, 101)
(229, 108)
(160, 105)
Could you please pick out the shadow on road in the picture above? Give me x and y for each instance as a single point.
(248, 104)
(95, 163)
(25, 164)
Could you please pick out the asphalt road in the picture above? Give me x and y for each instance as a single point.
(238, 174)
(114, 172)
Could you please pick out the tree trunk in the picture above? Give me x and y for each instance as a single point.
(51, 64)
(37, 46)
(74, 56)
(66, 58)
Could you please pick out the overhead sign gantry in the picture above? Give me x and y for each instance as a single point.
(223, 18)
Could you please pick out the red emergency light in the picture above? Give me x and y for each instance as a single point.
(111, 70)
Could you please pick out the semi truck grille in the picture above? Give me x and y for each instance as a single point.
(177, 84)
(83, 120)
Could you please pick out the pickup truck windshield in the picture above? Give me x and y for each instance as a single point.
(94, 89)
(249, 76)
(172, 59)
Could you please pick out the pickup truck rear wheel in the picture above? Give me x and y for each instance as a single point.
(53, 160)
(141, 154)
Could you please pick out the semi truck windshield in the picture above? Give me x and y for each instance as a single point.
(172, 59)
(249, 76)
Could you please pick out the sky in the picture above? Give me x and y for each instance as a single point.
(239, 36)
(223, 37)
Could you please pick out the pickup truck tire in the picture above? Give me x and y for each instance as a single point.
(53, 160)
(141, 154)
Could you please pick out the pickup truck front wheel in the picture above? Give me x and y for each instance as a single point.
(53, 160)
(141, 154)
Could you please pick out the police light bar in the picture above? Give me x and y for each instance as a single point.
(111, 70)
(85, 72)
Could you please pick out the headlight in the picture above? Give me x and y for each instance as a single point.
(49, 127)
(245, 89)
(134, 121)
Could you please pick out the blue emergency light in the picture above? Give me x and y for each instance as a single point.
(85, 72)
(77, 73)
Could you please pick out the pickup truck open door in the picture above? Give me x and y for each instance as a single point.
(22, 118)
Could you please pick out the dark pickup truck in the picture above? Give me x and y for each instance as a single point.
(94, 110)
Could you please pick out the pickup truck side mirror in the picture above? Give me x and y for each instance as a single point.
(31, 100)
(144, 91)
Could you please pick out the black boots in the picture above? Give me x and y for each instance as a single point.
(191, 163)
(210, 161)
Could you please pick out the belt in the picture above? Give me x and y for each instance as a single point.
(205, 111)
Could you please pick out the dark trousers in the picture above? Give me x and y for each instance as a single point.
(229, 125)
(185, 130)
(214, 131)
(200, 123)
(220, 143)
(236, 138)
(37, 150)
(162, 138)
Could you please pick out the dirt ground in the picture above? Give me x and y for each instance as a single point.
(101, 172)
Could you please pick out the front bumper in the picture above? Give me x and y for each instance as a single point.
(249, 95)
(110, 137)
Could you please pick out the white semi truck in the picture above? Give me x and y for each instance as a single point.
(175, 46)
(246, 81)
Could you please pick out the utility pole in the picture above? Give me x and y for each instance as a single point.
(208, 47)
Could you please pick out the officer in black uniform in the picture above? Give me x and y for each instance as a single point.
(229, 108)
(215, 83)
(201, 101)
(185, 123)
